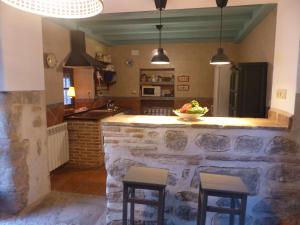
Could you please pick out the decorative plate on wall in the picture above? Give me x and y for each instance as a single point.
(50, 60)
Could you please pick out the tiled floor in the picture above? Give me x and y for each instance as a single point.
(60, 208)
(77, 180)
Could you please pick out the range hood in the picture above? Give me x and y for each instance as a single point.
(78, 57)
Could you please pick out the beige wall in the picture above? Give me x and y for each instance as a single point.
(298, 79)
(286, 55)
(93, 46)
(187, 58)
(259, 43)
(56, 40)
(84, 83)
(21, 51)
(192, 59)
(258, 46)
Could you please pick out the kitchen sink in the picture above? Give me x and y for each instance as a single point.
(94, 114)
(98, 112)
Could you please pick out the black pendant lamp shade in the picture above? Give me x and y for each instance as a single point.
(160, 57)
(220, 58)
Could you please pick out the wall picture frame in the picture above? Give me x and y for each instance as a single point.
(183, 78)
(183, 87)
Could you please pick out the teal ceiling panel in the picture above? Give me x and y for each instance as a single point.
(189, 25)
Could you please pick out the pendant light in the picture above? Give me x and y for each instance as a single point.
(220, 58)
(160, 57)
(68, 9)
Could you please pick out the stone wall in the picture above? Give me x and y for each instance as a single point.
(23, 150)
(85, 144)
(268, 161)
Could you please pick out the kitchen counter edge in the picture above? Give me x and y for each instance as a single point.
(204, 122)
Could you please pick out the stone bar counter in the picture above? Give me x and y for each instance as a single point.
(263, 153)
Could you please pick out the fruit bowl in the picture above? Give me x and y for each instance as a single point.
(187, 116)
(191, 111)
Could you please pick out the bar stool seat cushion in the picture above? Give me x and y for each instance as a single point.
(146, 176)
(222, 183)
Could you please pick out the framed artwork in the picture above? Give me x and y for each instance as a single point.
(183, 78)
(184, 87)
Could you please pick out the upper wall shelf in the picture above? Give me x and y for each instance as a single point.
(106, 72)
(158, 83)
(163, 79)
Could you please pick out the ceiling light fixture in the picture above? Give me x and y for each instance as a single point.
(220, 58)
(160, 56)
(68, 9)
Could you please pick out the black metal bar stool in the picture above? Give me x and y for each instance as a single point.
(222, 186)
(146, 179)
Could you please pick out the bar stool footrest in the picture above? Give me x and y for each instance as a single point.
(143, 201)
(223, 210)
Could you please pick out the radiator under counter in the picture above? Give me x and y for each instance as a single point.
(58, 145)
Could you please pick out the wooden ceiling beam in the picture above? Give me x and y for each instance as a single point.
(166, 36)
(173, 40)
(165, 31)
(170, 20)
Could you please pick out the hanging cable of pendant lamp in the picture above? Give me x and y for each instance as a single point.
(160, 56)
(220, 58)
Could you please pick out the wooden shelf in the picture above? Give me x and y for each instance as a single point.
(107, 76)
(109, 71)
(157, 98)
(103, 62)
(111, 83)
(166, 84)
(157, 69)
(158, 83)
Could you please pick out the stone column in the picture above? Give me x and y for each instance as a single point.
(23, 150)
(24, 175)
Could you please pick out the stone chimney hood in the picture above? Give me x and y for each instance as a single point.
(78, 57)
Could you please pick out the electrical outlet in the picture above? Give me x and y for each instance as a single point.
(281, 93)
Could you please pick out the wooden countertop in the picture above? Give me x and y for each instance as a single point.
(93, 114)
(204, 122)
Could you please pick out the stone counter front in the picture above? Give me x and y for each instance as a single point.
(268, 161)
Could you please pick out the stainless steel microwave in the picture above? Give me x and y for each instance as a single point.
(148, 90)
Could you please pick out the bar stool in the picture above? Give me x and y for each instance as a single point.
(145, 179)
(222, 186)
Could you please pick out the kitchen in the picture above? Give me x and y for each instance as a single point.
(132, 60)
(119, 80)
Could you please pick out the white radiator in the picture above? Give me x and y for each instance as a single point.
(58, 145)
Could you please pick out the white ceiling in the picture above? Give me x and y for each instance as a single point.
(114, 6)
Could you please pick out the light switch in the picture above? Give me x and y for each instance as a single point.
(135, 52)
(281, 93)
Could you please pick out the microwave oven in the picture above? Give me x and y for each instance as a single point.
(151, 91)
